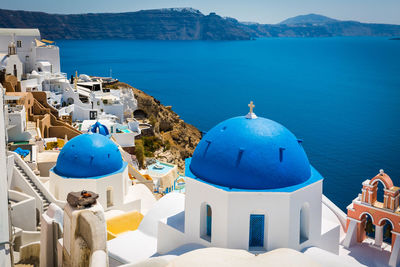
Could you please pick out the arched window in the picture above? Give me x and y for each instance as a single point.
(368, 225)
(387, 231)
(206, 222)
(304, 222)
(380, 192)
(110, 196)
(256, 231)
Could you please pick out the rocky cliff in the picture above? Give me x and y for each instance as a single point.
(157, 24)
(181, 137)
(183, 24)
(314, 25)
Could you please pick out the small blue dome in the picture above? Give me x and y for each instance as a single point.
(87, 156)
(99, 128)
(255, 154)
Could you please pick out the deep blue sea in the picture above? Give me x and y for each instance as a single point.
(340, 95)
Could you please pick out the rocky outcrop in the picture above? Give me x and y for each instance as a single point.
(157, 24)
(314, 25)
(179, 137)
(183, 24)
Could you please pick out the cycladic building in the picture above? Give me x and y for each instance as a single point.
(33, 54)
(93, 162)
(250, 186)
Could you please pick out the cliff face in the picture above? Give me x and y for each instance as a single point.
(330, 29)
(181, 136)
(159, 24)
(313, 25)
(182, 24)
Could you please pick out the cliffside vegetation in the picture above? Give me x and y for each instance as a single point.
(170, 139)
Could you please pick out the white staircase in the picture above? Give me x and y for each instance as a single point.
(28, 182)
(45, 201)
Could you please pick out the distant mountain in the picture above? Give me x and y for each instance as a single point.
(157, 24)
(308, 19)
(183, 24)
(314, 25)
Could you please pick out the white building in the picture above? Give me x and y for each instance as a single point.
(90, 101)
(165, 176)
(10, 62)
(5, 259)
(93, 162)
(15, 118)
(249, 186)
(36, 64)
(33, 54)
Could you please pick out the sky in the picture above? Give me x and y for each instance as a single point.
(262, 11)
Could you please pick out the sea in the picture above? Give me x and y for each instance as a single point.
(341, 96)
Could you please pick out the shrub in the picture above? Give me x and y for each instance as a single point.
(167, 145)
(139, 152)
(152, 120)
(151, 144)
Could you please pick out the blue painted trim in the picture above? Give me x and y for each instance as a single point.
(315, 177)
(209, 220)
(124, 164)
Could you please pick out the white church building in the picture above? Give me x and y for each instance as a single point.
(93, 162)
(249, 186)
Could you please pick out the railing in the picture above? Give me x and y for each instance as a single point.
(141, 179)
(338, 212)
(131, 170)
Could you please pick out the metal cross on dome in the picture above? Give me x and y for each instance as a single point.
(251, 106)
(251, 114)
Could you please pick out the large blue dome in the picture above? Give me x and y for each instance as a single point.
(255, 154)
(88, 156)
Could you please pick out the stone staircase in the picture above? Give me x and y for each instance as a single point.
(31, 128)
(45, 201)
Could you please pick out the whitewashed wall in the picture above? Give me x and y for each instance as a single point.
(231, 215)
(119, 182)
(4, 230)
(23, 211)
(11, 61)
(50, 54)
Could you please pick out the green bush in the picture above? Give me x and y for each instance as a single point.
(112, 86)
(151, 144)
(139, 152)
(167, 145)
(152, 120)
(146, 146)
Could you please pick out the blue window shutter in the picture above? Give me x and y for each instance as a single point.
(256, 235)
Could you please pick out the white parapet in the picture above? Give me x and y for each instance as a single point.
(395, 256)
(351, 235)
